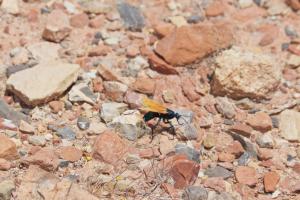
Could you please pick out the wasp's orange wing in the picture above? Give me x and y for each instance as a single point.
(150, 105)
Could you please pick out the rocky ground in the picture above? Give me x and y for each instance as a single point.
(73, 73)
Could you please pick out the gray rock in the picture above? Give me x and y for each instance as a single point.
(188, 131)
(289, 125)
(111, 110)
(243, 159)
(83, 123)
(132, 16)
(195, 193)
(130, 124)
(6, 188)
(290, 31)
(82, 93)
(247, 145)
(193, 19)
(225, 107)
(9, 113)
(265, 141)
(66, 133)
(16, 68)
(63, 163)
(38, 140)
(115, 90)
(191, 153)
(218, 171)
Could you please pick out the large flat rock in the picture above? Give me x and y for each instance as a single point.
(43, 82)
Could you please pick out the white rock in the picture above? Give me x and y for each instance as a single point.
(112, 110)
(289, 124)
(245, 3)
(11, 6)
(43, 82)
(44, 51)
(241, 73)
(96, 128)
(82, 93)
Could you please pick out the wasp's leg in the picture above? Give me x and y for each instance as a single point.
(152, 128)
(171, 127)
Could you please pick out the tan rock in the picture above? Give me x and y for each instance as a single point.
(189, 43)
(70, 153)
(56, 106)
(144, 85)
(8, 149)
(79, 20)
(260, 121)
(44, 51)
(43, 82)
(270, 181)
(241, 73)
(26, 127)
(10, 6)
(246, 175)
(289, 125)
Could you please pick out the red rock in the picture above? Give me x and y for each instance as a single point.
(109, 147)
(163, 29)
(296, 168)
(107, 74)
(235, 148)
(270, 181)
(260, 121)
(100, 50)
(215, 183)
(226, 157)
(97, 22)
(248, 14)
(245, 191)
(149, 153)
(45, 158)
(294, 4)
(4, 164)
(242, 129)
(184, 172)
(33, 15)
(79, 20)
(56, 106)
(69, 153)
(188, 88)
(133, 99)
(190, 43)
(265, 154)
(294, 48)
(8, 149)
(57, 27)
(144, 85)
(159, 65)
(97, 84)
(266, 40)
(132, 51)
(246, 175)
(214, 9)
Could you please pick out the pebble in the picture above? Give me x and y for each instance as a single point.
(195, 193)
(225, 107)
(7, 112)
(191, 153)
(132, 16)
(209, 141)
(82, 93)
(218, 171)
(96, 128)
(260, 121)
(194, 19)
(265, 140)
(26, 127)
(38, 140)
(270, 181)
(111, 110)
(246, 175)
(83, 123)
(289, 125)
(4, 164)
(66, 133)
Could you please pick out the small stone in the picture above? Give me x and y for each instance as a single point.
(45, 158)
(260, 121)
(214, 9)
(57, 27)
(215, 183)
(293, 61)
(159, 65)
(96, 7)
(96, 128)
(149, 153)
(270, 181)
(82, 93)
(226, 157)
(132, 16)
(194, 19)
(209, 141)
(6, 189)
(242, 73)
(166, 146)
(4, 165)
(130, 124)
(245, 3)
(56, 106)
(246, 175)
(109, 147)
(70, 153)
(235, 148)
(107, 73)
(36, 85)
(100, 50)
(44, 52)
(265, 154)
(83, 123)
(8, 149)
(112, 41)
(115, 91)
(7, 112)
(66, 133)
(241, 129)
(144, 85)
(26, 128)
(38, 140)
(178, 21)
(265, 140)
(289, 125)
(188, 131)
(195, 193)
(225, 107)
(290, 31)
(218, 171)
(190, 153)
(79, 20)
(112, 110)
(10, 6)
